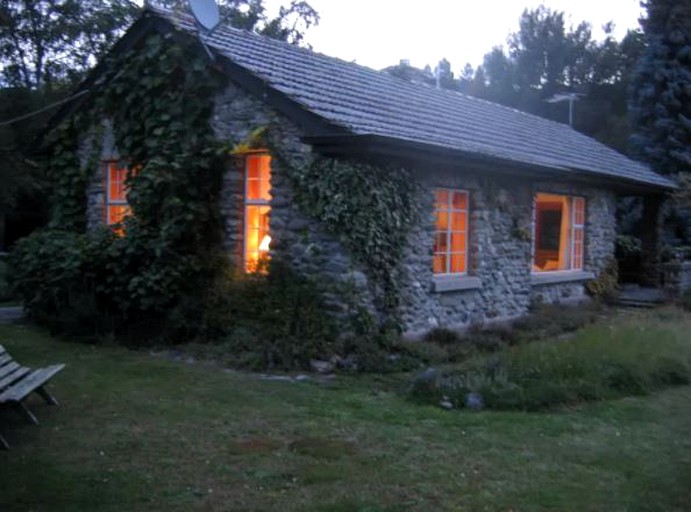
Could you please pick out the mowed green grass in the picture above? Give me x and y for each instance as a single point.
(137, 432)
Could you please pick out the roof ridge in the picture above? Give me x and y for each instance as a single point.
(366, 101)
(379, 73)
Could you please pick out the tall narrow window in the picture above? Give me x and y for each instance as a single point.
(451, 231)
(559, 232)
(257, 209)
(116, 208)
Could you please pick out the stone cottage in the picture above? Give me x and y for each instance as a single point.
(516, 208)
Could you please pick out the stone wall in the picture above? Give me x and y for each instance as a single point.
(676, 277)
(499, 285)
(94, 149)
(296, 239)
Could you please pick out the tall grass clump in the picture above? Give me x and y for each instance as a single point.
(600, 362)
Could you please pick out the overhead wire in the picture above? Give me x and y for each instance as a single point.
(44, 109)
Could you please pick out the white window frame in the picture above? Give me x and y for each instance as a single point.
(575, 226)
(109, 201)
(571, 235)
(250, 202)
(450, 210)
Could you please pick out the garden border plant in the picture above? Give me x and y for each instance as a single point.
(158, 98)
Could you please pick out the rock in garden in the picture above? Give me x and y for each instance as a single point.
(446, 403)
(474, 401)
(322, 367)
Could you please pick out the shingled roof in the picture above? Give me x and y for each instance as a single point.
(364, 102)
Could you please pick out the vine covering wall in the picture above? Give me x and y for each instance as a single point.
(159, 98)
(372, 209)
(169, 273)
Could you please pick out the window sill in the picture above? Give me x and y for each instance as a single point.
(560, 276)
(456, 283)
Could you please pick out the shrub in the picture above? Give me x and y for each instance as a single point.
(550, 320)
(5, 293)
(286, 314)
(442, 336)
(686, 300)
(87, 285)
(604, 286)
(424, 352)
(600, 363)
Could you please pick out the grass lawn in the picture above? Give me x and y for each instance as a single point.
(137, 432)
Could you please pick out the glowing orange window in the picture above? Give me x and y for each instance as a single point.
(559, 233)
(257, 210)
(451, 231)
(116, 193)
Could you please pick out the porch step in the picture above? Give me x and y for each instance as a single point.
(640, 297)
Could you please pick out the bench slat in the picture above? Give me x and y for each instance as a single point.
(8, 368)
(2, 350)
(16, 373)
(29, 383)
(5, 358)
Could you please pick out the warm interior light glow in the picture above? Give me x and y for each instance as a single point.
(264, 245)
(115, 194)
(257, 210)
(559, 232)
(451, 231)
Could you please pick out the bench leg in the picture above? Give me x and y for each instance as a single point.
(3, 443)
(26, 413)
(50, 399)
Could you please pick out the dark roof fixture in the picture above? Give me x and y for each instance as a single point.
(337, 103)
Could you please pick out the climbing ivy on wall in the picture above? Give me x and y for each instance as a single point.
(372, 209)
(169, 269)
(159, 100)
(68, 176)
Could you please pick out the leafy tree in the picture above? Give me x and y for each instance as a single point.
(289, 25)
(661, 88)
(540, 49)
(544, 57)
(47, 41)
(499, 72)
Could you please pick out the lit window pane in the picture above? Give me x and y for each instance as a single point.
(116, 179)
(441, 199)
(458, 242)
(442, 221)
(559, 235)
(264, 188)
(459, 221)
(256, 235)
(253, 163)
(440, 242)
(116, 213)
(439, 263)
(457, 262)
(253, 189)
(460, 200)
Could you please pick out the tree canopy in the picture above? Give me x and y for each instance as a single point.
(47, 41)
(661, 88)
(46, 46)
(544, 57)
(289, 24)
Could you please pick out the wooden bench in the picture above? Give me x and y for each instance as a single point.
(17, 382)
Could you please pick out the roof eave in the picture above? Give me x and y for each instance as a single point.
(424, 154)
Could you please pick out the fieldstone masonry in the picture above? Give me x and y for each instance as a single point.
(499, 284)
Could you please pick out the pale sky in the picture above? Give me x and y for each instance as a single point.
(379, 33)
